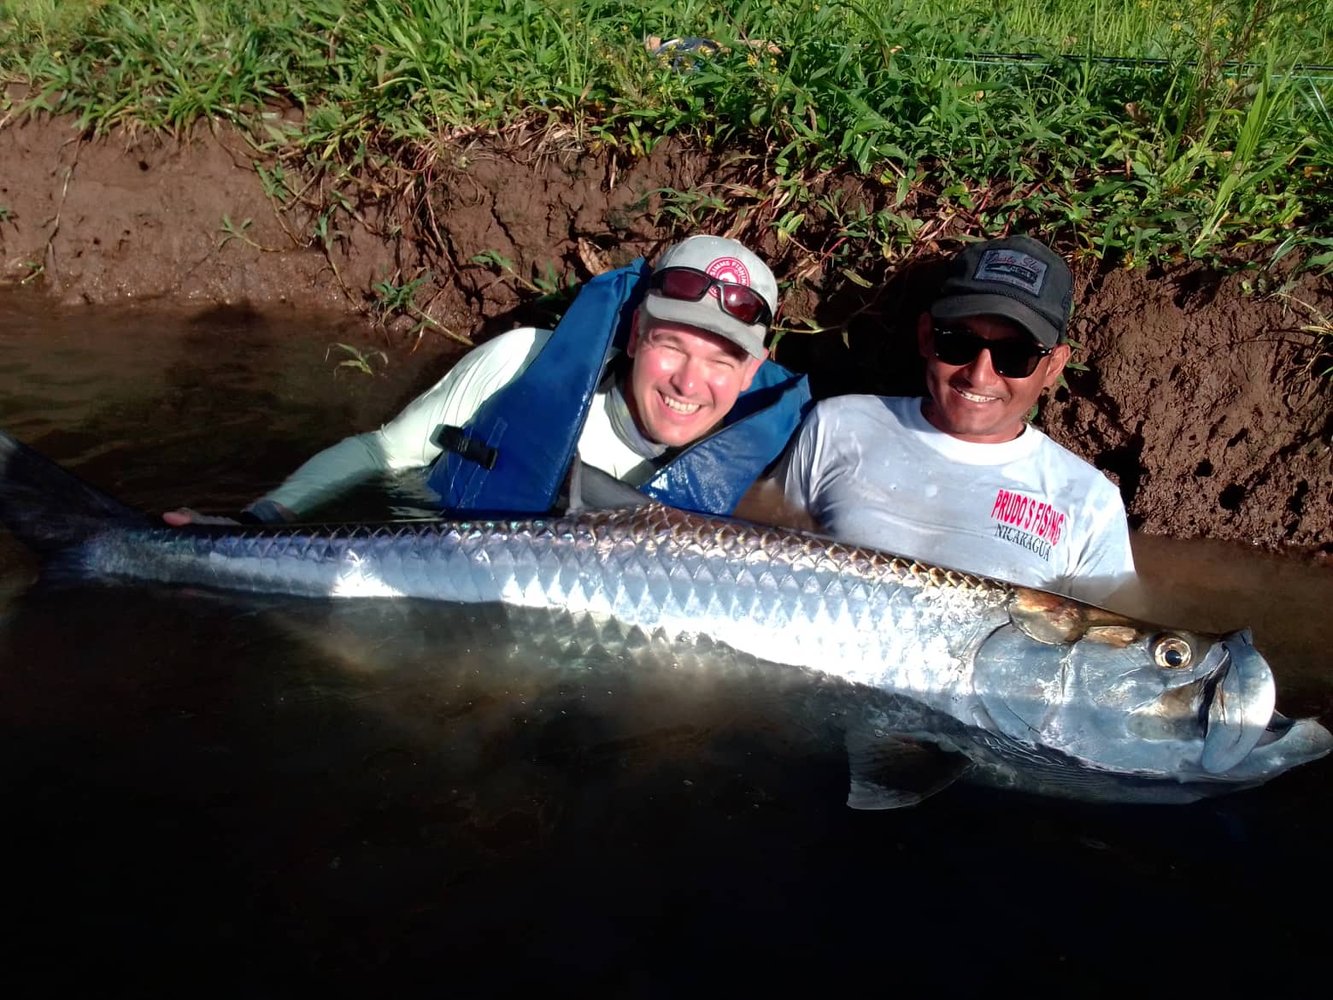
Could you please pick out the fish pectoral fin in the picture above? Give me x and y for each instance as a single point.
(868, 796)
(894, 771)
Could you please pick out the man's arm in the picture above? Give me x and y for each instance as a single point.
(404, 442)
(765, 503)
(1104, 573)
(408, 440)
(783, 496)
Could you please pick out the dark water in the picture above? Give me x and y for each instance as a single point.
(258, 797)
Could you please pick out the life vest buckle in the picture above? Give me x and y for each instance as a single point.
(455, 439)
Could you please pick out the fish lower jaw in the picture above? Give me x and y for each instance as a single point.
(1285, 744)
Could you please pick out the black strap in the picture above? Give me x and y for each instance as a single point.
(453, 439)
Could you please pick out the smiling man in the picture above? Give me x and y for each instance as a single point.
(958, 478)
(644, 363)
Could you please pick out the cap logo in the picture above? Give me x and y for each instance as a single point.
(727, 269)
(1012, 267)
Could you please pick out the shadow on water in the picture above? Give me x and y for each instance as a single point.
(211, 792)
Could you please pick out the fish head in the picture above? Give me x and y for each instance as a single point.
(1122, 695)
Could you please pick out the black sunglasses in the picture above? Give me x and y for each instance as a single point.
(689, 284)
(1013, 357)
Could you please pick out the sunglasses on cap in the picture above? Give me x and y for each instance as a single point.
(1014, 357)
(689, 284)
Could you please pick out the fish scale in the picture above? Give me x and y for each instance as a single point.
(784, 597)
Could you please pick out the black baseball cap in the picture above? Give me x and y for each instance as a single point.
(1016, 278)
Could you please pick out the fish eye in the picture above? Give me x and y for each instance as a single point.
(1171, 652)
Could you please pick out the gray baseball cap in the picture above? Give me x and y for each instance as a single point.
(1016, 278)
(725, 260)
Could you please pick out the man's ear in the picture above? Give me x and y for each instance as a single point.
(633, 343)
(1055, 364)
(924, 328)
(752, 365)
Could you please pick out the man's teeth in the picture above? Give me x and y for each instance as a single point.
(974, 397)
(678, 406)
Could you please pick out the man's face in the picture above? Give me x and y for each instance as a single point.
(683, 381)
(972, 401)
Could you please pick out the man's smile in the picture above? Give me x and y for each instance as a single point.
(974, 397)
(679, 405)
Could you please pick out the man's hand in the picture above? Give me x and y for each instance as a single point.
(764, 503)
(182, 516)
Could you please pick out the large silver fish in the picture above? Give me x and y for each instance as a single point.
(1037, 691)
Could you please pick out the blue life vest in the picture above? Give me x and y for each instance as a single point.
(484, 468)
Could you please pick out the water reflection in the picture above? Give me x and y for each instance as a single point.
(210, 406)
(206, 788)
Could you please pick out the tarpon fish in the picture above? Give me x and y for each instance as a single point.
(1032, 690)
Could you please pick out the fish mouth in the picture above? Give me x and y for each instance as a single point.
(1239, 705)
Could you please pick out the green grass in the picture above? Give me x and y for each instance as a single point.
(1135, 129)
(357, 359)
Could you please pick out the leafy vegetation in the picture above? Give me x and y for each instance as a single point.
(357, 359)
(1134, 129)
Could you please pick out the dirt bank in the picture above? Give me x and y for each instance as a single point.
(1200, 396)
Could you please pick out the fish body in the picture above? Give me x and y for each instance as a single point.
(1097, 705)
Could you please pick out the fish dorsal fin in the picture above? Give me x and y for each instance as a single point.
(589, 488)
(891, 770)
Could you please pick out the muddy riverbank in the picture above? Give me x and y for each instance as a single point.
(1201, 393)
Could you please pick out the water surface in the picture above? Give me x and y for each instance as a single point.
(257, 796)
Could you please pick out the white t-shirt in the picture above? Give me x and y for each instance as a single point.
(873, 471)
(405, 442)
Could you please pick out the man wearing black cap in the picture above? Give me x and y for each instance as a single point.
(958, 478)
